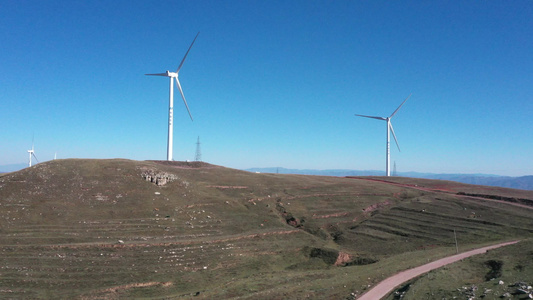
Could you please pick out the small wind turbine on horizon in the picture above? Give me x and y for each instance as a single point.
(389, 129)
(174, 75)
(32, 153)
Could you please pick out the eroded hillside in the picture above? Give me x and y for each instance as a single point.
(120, 228)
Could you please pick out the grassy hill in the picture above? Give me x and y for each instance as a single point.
(92, 229)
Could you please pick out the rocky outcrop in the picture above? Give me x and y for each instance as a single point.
(343, 259)
(158, 178)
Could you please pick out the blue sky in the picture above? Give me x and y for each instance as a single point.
(272, 83)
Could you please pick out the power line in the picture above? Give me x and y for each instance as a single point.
(198, 156)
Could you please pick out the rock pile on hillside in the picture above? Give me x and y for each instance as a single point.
(158, 178)
(517, 290)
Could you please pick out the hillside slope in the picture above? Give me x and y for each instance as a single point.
(521, 182)
(118, 228)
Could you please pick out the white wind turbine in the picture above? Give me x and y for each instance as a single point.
(174, 75)
(32, 153)
(389, 129)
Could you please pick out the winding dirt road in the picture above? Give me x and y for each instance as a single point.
(383, 288)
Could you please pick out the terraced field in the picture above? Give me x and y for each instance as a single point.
(93, 229)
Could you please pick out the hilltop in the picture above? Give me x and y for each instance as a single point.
(520, 182)
(92, 229)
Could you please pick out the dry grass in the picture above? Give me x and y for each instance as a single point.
(98, 229)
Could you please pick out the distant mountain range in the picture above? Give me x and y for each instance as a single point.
(12, 168)
(522, 182)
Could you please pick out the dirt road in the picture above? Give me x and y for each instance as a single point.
(383, 288)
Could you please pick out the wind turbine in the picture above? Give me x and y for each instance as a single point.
(389, 129)
(32, 153)
(171, 76)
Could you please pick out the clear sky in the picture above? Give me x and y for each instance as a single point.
(272, 83)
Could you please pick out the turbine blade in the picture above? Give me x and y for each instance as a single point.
(183, 60)
(183, 96)
(400, 106)
(35, 156)
(158, 74)
(372, 117)
(394, 135)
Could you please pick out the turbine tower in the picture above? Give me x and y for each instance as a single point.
(389, 129)
(32, 153)
(172, 76)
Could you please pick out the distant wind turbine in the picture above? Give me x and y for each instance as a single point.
(389, 129)
(174, 75)
(32, 153)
